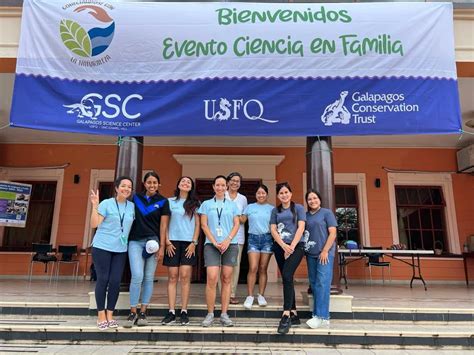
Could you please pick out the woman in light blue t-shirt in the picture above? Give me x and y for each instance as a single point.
(220, 223)
(181, 244)
(260, 245)
(113, 219)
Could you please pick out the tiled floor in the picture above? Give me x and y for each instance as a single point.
(230, 349)
(242, 325)
(398, 296)
(454, 297)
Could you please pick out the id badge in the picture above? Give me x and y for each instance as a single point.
(123, 239)
(219, 231)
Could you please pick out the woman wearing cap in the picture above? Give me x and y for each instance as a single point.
(220, 223)
(113, 219)
(260, 245)
(152, 214)
(181, 243)
(321, 227)
(287, 224)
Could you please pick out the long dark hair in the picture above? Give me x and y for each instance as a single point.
(311, 191)
(151, 173)
(292, 204)
(263, 187)
(192, 202)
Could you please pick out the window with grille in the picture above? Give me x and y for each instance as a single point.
(420, 217)
(347, 214)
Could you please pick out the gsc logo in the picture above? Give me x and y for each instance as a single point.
(94, 105)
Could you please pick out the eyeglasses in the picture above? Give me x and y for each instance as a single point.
(236, 181)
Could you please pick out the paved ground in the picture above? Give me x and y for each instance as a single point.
(242, 325)
(395, 295)
(230, 349)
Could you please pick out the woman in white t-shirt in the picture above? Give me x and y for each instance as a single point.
(181, 243)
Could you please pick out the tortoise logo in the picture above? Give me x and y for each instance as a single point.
(336, 112)
(89, 40)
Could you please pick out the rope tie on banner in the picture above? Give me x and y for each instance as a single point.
(120, 140)
(461, 131)
(319, 150)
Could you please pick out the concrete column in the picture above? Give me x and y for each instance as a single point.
(320, 176)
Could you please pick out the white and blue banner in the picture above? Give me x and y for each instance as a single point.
(242, 69)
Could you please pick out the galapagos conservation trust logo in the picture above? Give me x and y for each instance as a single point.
(87, 30)
(365, 107)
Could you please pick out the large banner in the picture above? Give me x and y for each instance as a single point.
(14, 203)
(244, 69)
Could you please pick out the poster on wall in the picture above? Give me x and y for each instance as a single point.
(14, 203)
(236, 69)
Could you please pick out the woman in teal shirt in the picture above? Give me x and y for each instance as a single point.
(181, 243)
(260, 245)
(220, 223)
(113, 219)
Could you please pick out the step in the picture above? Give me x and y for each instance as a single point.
(338, 303)
(270, 311)
(246, 330)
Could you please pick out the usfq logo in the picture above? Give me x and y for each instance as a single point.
(234, 109)
(88, 32)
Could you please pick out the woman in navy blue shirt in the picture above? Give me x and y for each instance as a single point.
(287, 226)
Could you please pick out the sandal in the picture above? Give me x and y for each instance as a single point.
(103, 325)
(113, 324)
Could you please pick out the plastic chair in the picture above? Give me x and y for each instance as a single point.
(42, 254)
(68, 256)
(376, 260)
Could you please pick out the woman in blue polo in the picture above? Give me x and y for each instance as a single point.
(220, 223)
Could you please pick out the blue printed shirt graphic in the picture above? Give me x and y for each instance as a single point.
(210, 208)
(181, 227)
(286, 223)
(109, 232)
(316, 233)
(258, 216)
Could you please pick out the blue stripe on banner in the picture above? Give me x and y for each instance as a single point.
(240, 107)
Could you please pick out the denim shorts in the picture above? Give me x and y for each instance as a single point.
(260, 243)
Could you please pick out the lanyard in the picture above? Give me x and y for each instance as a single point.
(122, 217)
(219, 213)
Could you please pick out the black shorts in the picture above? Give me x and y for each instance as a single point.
(179, 258)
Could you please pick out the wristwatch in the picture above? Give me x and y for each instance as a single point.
(195, 242)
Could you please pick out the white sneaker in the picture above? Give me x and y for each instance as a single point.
(248, 302)
(262, 302)
(316, 322)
